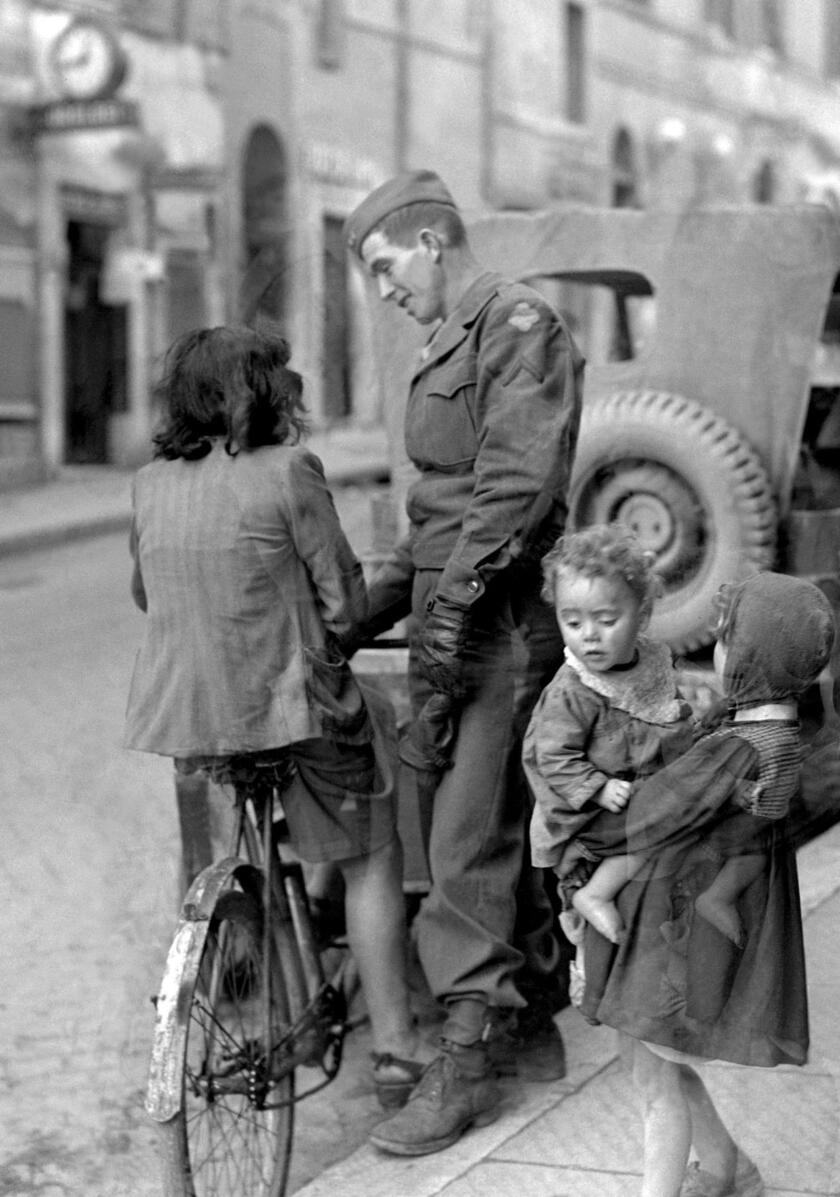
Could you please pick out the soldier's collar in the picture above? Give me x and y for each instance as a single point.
(475, 298)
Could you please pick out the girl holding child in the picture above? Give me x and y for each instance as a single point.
(692, 932)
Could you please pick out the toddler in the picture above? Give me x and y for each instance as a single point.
(610, 716)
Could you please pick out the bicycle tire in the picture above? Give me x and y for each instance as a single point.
(234, 1129)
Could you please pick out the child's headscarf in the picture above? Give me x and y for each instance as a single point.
(779, 635)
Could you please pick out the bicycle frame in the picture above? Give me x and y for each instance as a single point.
(316, 1015)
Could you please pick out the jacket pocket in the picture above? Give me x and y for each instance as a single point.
(440, 426)
(335, 697)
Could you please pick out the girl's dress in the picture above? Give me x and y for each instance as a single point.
(586, 728)
(675, 980)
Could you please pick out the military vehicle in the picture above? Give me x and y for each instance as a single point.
(711, 420)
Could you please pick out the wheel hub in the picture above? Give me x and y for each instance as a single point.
(650, 519)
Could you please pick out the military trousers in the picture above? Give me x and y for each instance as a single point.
(476, 848)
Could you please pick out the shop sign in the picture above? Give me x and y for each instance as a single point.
(97, 207)
(334, 164)
(67, 116)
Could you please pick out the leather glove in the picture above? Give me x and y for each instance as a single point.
(428, 743)
(441, 646)
(351, 640)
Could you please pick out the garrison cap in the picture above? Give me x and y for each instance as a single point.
(412, 187)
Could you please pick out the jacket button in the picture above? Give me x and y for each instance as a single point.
(472, 586)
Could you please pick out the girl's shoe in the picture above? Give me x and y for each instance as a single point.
(394, 1079)
(748, 1182)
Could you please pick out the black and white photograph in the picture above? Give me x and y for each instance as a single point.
(420, 598)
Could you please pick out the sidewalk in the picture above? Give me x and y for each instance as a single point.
(582, 1137)
(90, 500)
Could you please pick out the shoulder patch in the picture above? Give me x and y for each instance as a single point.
(523, 316)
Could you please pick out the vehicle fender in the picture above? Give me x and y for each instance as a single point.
(164, 1092)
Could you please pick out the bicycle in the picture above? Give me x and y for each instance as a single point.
(244, 1001)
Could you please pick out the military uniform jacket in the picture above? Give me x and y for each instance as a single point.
(491, 424)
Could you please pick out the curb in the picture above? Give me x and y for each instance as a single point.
(365, 1172)
(50, 535)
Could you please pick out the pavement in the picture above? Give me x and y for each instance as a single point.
(579, 1137)
(582, 1136)
(93, 499)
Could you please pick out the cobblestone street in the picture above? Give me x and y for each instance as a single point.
(89, 885)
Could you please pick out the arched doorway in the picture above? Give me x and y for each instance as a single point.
(264, 287)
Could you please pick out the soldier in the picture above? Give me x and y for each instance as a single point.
(491, 425)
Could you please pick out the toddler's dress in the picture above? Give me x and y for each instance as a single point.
(586, 728)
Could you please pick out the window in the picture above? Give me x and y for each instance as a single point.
(612, 314)
(721, 13)
(575, 63)
(335, 359)
(624, 189)
(330, 33)
(832, 40)
(764, 184)
(17, 336)
(770, 24)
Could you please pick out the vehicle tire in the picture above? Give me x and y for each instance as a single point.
(233, 1132)
(692, 489)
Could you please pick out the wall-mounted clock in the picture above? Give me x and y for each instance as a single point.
(87, 60)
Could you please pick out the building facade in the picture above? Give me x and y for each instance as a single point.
(169, 163)
(111, 168)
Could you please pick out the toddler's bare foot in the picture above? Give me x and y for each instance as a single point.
(721, 915)
(573, 925)
(603, 915)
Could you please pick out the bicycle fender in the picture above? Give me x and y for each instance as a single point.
(165, 1088)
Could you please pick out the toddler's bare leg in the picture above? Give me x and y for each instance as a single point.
(596, 900)
(718, 903)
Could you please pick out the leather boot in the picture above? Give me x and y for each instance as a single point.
(527, 1044)
(454, 1093)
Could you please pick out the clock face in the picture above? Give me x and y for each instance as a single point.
(87, 61)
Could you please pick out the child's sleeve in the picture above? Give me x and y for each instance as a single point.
(684, 800)
(559, 775)
(557, 739)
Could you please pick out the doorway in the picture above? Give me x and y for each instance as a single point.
(335, 353)
(95, 365)
(264, 286)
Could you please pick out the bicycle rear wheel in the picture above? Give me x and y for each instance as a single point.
(233, 1132)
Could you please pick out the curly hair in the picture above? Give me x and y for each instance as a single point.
(603, 551)
(230, 382)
